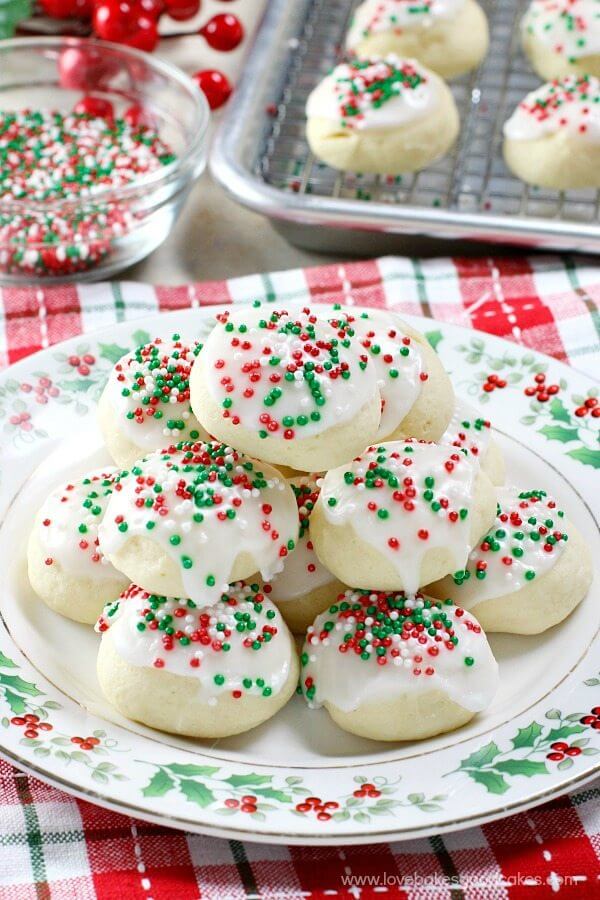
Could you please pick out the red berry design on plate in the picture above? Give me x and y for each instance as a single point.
(223, 32)
(593, 719)
(540, 390)
(561, 750)
(589, 406)
(492, 382)
(87, 743)
(323, 809)
(215, 86)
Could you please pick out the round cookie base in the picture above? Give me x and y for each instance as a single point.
(558, 161)
(450, 48)
(493, 464)
(549, 64)
(152, 569)
(317, 453)
(79, 599)
(388, 151)
(348, 556)
(537, 606)
(169, 703)
(301, 612)
(405, 717)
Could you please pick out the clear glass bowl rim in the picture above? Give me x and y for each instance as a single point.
(183, 168)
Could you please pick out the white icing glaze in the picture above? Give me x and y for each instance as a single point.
(261, 649)
(415, 661)
(513, 547)
(398, 363)
(247, 364)
(570, 28)
(395, 516)
(571, 105)
(146, 421)
(303, 571)
(384, 93)
(375, 16)
(67, 525)
(468, 430)
(213, 505)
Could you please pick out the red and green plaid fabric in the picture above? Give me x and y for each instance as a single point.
(53, 846)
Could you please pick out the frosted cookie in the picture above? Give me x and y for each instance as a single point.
(400, 512)
(304, 587)
(469, 431)
(66, 568)
(388, 117)
(528, 573)
(449, 36)
(562, 37)
(394, 668)
(187, 521)
(199, 671)
(553, 138)
(286, 387)
(416, 393)
(146, 402)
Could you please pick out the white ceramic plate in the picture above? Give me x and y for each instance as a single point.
(496, 765)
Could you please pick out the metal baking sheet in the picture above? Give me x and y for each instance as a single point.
(262, 158)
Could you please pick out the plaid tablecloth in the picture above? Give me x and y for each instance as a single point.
(53, 846)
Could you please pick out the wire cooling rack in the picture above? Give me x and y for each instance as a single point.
(469, 193)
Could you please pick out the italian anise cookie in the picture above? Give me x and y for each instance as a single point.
(416, 393)
(382, 116)
(399, 512)
(552, 140)
(396, 668)
(469, 431)
(304, 587)
(449, 36)
(187, 521)
(528, 573)
(146, 402)
(200, 671)
(562, 37)
(286, 387)
(66, 567)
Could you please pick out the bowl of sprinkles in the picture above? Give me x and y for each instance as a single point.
(99, 147)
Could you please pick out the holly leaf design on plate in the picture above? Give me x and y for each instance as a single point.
(248, 780)
(191, 769)
(586, 455)
(15, 702)
(564, 731)
(141, 337)
(482, 757)
(112, 352)
(492, 781)
(559, 412)
(273, 794)
(6, 663)
(19, 684)
(558, 433)
(196, 792)
(527, 767)
(526, 737)
(159, 785)
(434, 338)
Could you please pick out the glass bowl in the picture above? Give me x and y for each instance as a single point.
(92, 237)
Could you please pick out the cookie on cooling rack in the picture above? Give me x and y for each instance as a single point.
(146, 402)
(399, 512)
(287, 387)
(381, 116)
(200, 671)
(396, 668)
(66, 567)
(562, 37)
(528, 573)
(187, 521)
(552, 140)
(450, 37)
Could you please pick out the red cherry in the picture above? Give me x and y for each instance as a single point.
(215, 86)
(59, 9)
(126, 23)
(180, 10)
(223, 32)
(83, 68)
(145, 37)
(153, 8)
(95, 106)
(138, 117)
